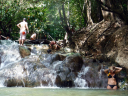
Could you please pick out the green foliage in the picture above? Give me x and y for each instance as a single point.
(43, 16)
(7, 18)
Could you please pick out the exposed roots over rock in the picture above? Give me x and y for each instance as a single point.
(105, 40)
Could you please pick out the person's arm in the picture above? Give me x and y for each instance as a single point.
(18, 25)
(118, 69)
(27, 27)
(106, 71)
(58, 45)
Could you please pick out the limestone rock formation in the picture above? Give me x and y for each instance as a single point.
(103, 41)
(24, 51)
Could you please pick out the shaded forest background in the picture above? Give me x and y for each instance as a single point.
(56, 17)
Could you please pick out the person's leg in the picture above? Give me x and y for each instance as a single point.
(115, 87)
(50, 46)
(55, 46)
(23, 41)
(20, 41)
(23, 38)
(108, 87)
(111, 87)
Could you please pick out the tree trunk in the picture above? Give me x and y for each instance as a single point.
(65, 24)
(127, 5)
(114, 10)
(83, 13)
(106, 14)
(88, 4)
(68, 17)
(99, 14)
(64, 16)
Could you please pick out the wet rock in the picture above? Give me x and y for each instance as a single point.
(24, 51)
(62, 57)
(74, 62)
(55, 57)
(50, 59)
(27, 74)
(68, 49)
(12, 82)
(1, 53)
(65, 83)
(58, 81)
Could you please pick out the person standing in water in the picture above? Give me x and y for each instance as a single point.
(23, 26)
(111, 72)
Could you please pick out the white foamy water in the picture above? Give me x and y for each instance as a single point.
(2, 80)
(79, 82)
(9, 52)
(39, 67)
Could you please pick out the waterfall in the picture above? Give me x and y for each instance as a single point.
(45, 70)
(79, 81)
(2, 80)
(9, 52)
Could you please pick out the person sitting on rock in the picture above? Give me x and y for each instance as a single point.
(33, 36)
(7, 38)
(54, 45)
(111, 72)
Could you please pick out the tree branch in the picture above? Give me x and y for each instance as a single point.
(61, 16)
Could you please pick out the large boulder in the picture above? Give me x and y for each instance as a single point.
(74, 62)
(117, 50)
(24, 51)
(122, 57)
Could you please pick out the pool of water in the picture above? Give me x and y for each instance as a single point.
(17, 91)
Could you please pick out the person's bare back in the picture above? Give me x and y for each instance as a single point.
(23, 26)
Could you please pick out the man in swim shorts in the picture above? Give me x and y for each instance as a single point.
(23, 26)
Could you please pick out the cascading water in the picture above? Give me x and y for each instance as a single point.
(9, 52)
(44, 70)
(79, 81)
(16, 69)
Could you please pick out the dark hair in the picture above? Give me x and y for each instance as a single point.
(24, 19)
(49, 50)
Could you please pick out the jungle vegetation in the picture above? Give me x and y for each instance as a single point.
(56, 17)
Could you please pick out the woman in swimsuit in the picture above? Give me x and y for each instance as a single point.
(111, 72)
